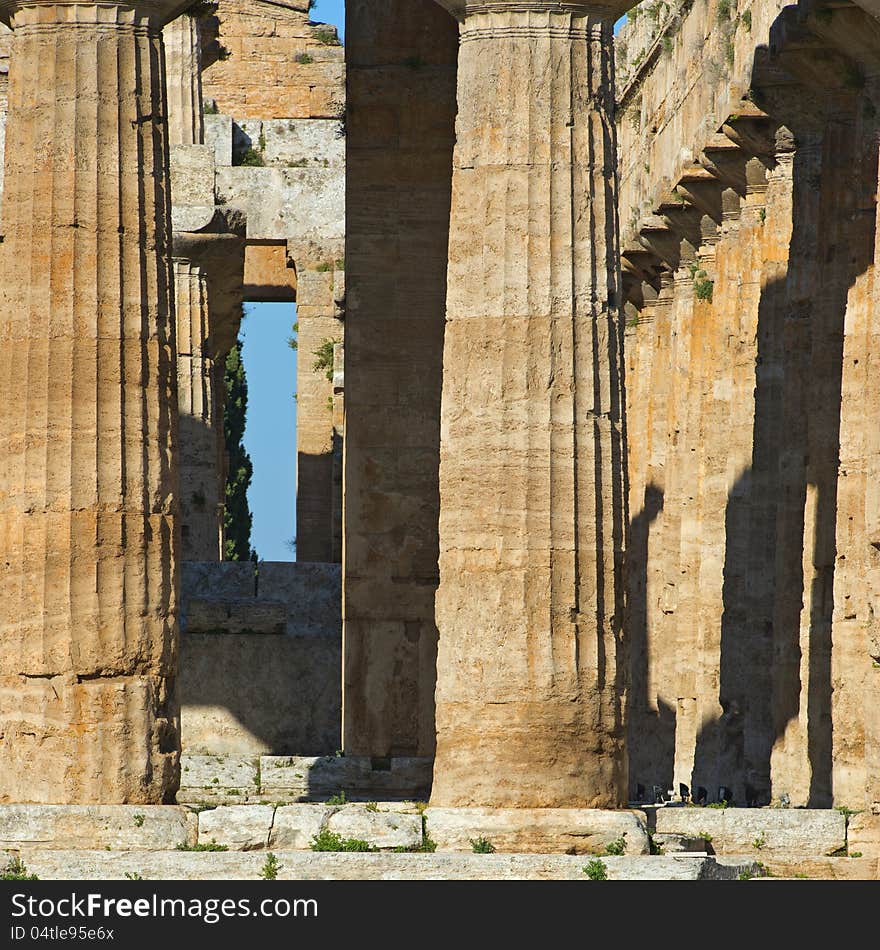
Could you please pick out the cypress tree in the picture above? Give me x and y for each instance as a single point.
(238, 520)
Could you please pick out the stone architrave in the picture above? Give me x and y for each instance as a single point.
(88, 410)
(532, 668)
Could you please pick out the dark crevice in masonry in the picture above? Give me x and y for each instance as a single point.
(271, 825)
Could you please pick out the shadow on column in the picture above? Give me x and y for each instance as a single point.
(651, 731)
(781, 516)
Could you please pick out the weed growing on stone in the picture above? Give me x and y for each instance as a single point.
(759, 841)
(371, 807)
(133, 876)
(327, 36)
(271, 867)
(203, 846)
(16, 871)
(596, 870)
(653, 846)
(482, 846)
(616, 847)
(338, 799)
(139, 820)
(703, 289)
(326, 840)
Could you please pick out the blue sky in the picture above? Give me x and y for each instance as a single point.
(270, 432)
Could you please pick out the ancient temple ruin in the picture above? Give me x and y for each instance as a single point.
(588, 522)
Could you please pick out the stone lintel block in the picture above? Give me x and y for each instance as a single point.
(359, 777)
(239, 827)
(537, 830)
(204, 777)
(70, 827)
(863, 835)
(758, 830)
(379, 829)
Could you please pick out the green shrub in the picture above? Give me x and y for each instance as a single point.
(482, 846)
(324, 363)
(203, 846)
(326, 840)
(271, 867)
(16, 871)
(596, 870)
(617, 847)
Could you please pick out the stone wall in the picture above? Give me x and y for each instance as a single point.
(748, 204)
(260, 659)
(266, 58)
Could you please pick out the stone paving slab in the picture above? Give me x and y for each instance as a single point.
(119, 827)
(537, 830)
(758, 831)
(379, 829)
(308, 866)
(239, 827)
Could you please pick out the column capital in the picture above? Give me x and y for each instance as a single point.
(69, 11)
(604, 9)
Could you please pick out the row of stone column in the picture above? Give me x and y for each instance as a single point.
(530, 675)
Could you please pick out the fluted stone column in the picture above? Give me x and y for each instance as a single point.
(88, 506)
(201, 418)
(183, 55)
(531, 668)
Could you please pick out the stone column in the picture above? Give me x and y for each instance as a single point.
(531, 668)
(202, 496)
(183, 55)
(88, 408)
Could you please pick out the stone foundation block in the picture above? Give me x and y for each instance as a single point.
(296, 825)
(240, 827)
(537, 830)
(358, 777)
(383, 830)
(118, 827)
(863, 835)
(758, 830)
(205, 778)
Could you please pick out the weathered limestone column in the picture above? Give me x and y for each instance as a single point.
(202, 480)
(88, 536)
(531, 668)
(183, 56)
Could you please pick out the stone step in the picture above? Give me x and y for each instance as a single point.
(756, 831)
(234, 779)
(795, 866)
(308, 866)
